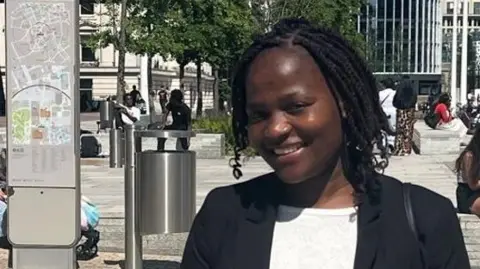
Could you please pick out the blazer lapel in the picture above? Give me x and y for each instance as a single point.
(255, 229)
(369, 231)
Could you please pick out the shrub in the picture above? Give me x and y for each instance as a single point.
(220, 125)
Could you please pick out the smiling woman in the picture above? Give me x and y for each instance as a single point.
(306, 101)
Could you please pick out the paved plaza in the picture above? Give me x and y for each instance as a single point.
(105, 187)
(116, 261)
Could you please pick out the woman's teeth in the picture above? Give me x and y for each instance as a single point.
(285, 151)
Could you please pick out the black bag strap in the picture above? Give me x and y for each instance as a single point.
(407, 200)
(381, 103)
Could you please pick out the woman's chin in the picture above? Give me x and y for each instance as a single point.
(290, 176)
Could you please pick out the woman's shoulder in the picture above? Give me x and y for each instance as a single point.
(236, 196)
(429, 207)
(440, 106)
(391, 184)
(437, 227)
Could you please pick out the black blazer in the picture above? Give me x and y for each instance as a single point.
(234, 229)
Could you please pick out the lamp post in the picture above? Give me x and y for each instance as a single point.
(453, 76)
(464, 63)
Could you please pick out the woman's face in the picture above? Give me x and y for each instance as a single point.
(295, 123)
(129, 100)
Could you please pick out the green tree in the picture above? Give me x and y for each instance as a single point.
(210, 31)
(229, 36)
(261, 14)
(114, 32)
(336, 14)
(146, 32)
(150, 35)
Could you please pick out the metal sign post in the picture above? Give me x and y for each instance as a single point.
(133, 239)
(43, 132)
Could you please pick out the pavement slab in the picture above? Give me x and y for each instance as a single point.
(105, 186)
(116, 261)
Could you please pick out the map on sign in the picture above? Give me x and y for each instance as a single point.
(40, 32)
(41, 115)
(40, 72)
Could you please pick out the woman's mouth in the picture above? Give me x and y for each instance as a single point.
(288, 154)
(287, 150)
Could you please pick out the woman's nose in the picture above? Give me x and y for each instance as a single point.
(277, 128)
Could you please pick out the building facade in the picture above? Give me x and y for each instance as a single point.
(473, 28)
(98, 68)
(403, 37)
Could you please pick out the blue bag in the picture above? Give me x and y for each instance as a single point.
(3, 218)
(91, 212)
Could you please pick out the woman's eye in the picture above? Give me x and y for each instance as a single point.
(296, 108)
(256, 117)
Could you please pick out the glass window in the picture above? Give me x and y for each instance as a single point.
(450, 8)
(414, 10)
(398, 9)
(381, 9)
(405, 9)
(424, 88)
(388, 64)
(476, 8)
(86, 7)
(86, 84)
(379, 58)
(404, 58)
(363, 27)
(389, 36)
(380, 32)
(363, 9)
(389, 8)
(87, 54)
(389, 49)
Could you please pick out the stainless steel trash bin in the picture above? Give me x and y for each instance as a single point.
(167, 191)
(117, 148)
(106, 114)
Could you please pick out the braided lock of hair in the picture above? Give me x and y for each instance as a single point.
(352, 83)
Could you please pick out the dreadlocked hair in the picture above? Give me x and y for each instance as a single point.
(351, 82)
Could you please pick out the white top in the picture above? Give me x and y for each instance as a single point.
(314, 238)
(134, 112)
(386, 96)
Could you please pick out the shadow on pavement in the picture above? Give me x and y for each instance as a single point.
(148, 264)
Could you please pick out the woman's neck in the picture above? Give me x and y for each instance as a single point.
(328, 191)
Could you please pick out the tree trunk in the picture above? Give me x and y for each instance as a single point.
(151, 104)
(121, 52)
(216, 92)
(199, 89)
(181, 74)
